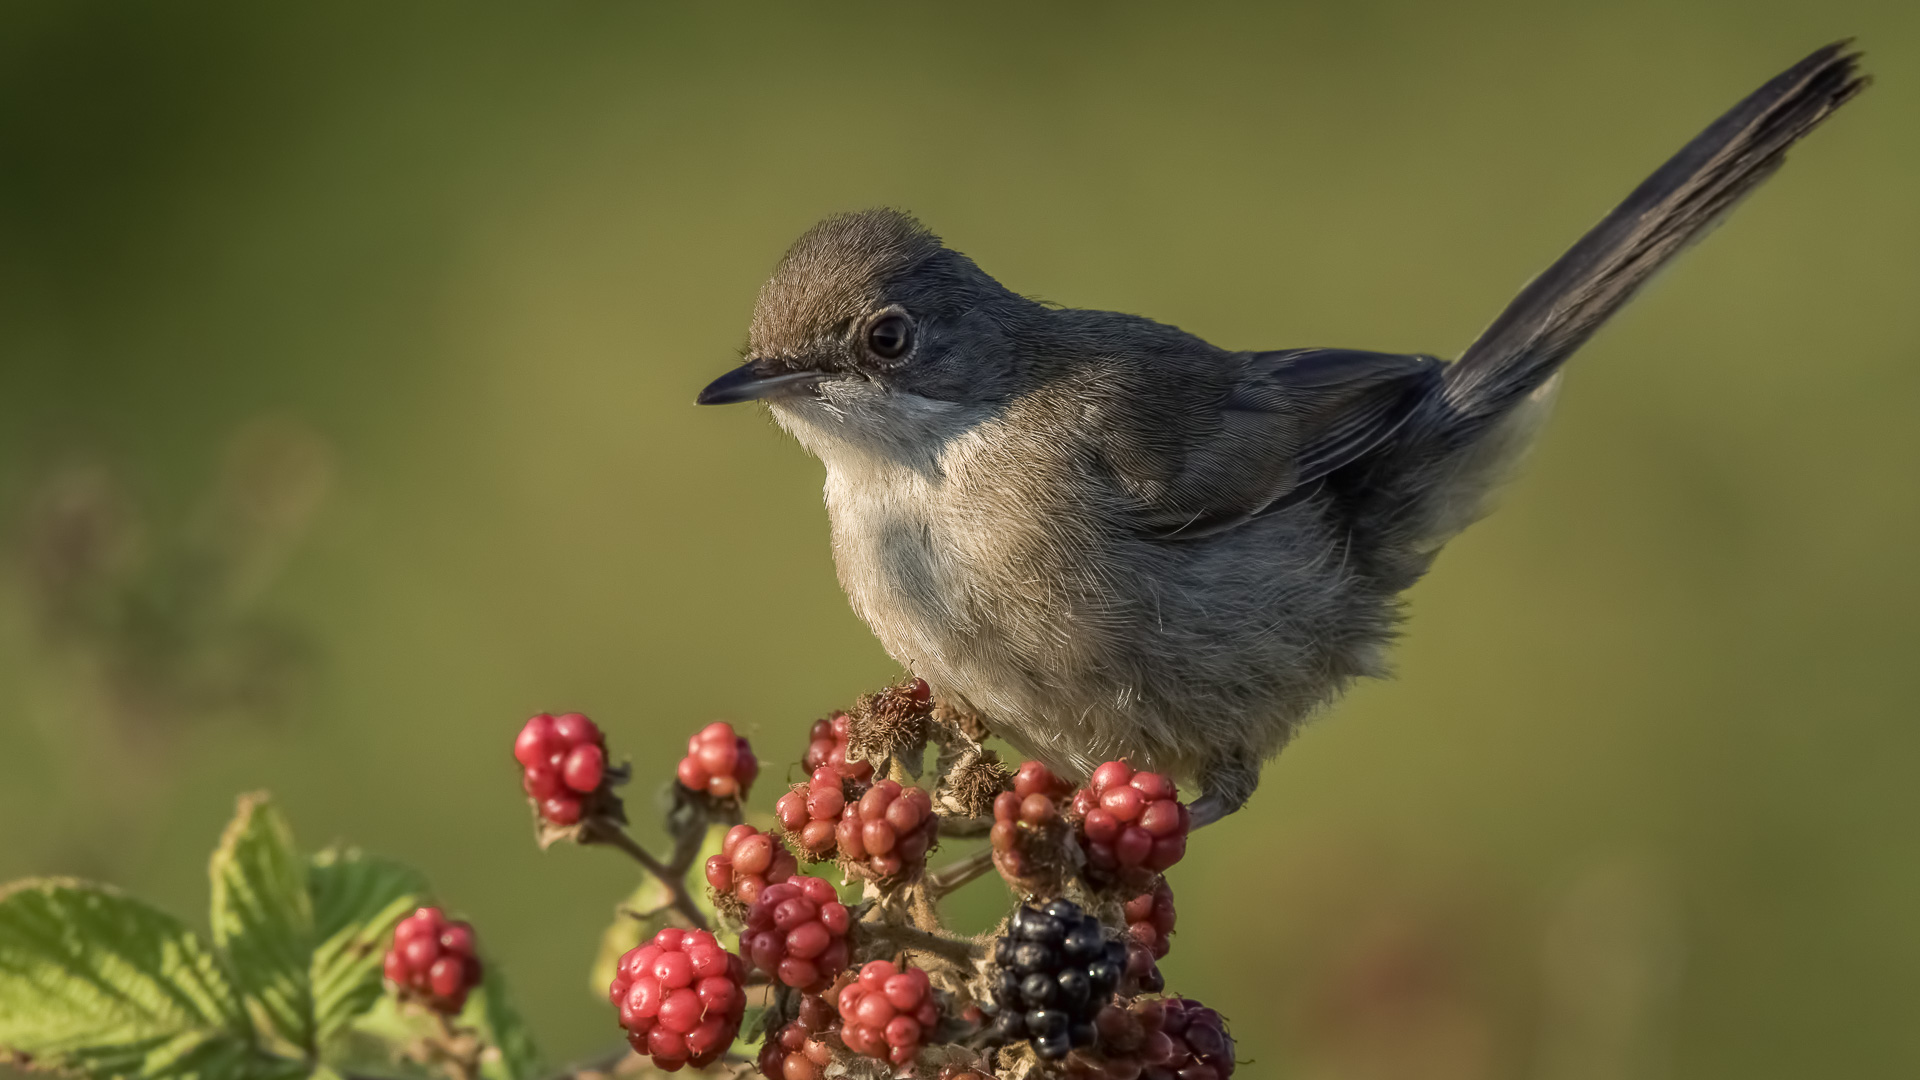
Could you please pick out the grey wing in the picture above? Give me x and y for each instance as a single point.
(1287, 420)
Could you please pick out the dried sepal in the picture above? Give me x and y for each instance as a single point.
(971, 782)
(891, 725)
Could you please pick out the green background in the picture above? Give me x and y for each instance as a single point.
(346, 366)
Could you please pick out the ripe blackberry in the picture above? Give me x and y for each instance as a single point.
(811, 814)
(887, 830)
(1165, 1039)
(1023, 819)
(887, 1013)
(1129, 823)
(827, 747)
(799, 1051)
(748, 862)
(1150, 919)
(681, 997)
(718, 763)
(1054, 970)
(564, 759)
(432, 961)
(797, 933)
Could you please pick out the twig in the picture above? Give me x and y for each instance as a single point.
(672, 877)
(958, 950)
(958, 873)
(965, 828)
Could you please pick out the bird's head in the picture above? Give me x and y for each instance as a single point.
(871, 329)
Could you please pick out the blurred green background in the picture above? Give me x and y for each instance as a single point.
(346, 364)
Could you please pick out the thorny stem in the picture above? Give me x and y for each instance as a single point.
(958, 950)
(672, 876)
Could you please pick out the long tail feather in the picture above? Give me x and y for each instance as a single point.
(1562, 307)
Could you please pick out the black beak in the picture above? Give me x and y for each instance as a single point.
(754, 380)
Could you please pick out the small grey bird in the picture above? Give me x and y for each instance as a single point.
(1111, 539)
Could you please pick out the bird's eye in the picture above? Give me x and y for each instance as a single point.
(890, 336)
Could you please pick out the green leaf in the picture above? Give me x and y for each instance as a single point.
(512, 1054)
(263, 919)
(357, 899)
(98, 983)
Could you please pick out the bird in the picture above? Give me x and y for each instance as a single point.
(1109, 539)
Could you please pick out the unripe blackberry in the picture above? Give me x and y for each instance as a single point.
(748, 862)
(794, 1053)
(1130, 823)
(564, 762)
(718, 763)
(827, 747)
(1053, 971)
(887, 1013)
(810, 814)
(1166, 1039)
(888, 830)
(797, 932)
(432, 961)
(1025, 820)
(1150, 919)
(680, 998)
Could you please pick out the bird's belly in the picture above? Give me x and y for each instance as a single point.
(1080, 654)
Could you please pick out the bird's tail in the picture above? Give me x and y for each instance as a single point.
(1678, 204)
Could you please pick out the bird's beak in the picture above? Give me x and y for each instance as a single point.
(754, 380)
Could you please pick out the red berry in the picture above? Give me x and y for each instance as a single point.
(885, 1012)
(432, 960)
(680, 997)
(719, 763)
(888, 830)
(561, 809)
(1131, 824)
(796, 931)
(565, 760)
(533, 746)
(1110, 775)
(584, 767)
(573, 729)
(457, 939)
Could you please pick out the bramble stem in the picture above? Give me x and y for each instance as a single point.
(965, 828)
(958, 950)
(955, 874)
(672, 876)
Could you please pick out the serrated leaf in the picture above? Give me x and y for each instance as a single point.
(357, 899)
(371, 1045)
(95, 982)
(512, 1054)
(262, 919)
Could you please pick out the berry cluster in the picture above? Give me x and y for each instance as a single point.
(887, 830)
(1168, 1039)
(887, 1013)
(798, 1050)
(433, 961)
(565, 759)
(811, 814)
(1150, 919)
(797, 932)
(680, 998)
(1130, 820)
(827, 748)
(1056, 970)
(1032, 805)
(718, 763)
(748, 862)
